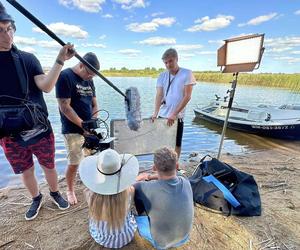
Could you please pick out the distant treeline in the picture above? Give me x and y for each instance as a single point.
(147, 72)
(290, 81)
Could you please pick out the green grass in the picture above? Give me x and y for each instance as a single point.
(278, 80)
(288, 81)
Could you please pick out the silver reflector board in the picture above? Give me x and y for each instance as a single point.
(150, 137)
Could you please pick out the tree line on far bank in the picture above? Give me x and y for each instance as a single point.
(279, 80)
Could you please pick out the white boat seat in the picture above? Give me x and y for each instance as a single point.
(220, 112)
(258, 116)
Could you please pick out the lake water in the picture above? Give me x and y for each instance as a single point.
(199, 136)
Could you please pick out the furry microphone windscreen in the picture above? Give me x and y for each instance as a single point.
(133, 108)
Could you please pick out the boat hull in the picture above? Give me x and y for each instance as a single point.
(287, 131)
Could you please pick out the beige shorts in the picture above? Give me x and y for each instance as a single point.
(73, 143)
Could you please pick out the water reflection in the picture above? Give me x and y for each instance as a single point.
(248, 141)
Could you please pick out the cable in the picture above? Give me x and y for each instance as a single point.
(99, 110)
(34, 110)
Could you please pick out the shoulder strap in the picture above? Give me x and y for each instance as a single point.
(21, 70)
(170, 82)
(227, 194)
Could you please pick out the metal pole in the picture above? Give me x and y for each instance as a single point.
(232, 92)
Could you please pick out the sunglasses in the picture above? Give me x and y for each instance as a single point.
(89, 72)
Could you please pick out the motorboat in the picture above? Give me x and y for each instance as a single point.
(266, 120)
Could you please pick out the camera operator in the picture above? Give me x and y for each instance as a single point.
(75, 92)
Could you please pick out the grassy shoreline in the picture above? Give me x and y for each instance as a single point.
(278, 80)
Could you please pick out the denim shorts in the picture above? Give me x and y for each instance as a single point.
(144, 231)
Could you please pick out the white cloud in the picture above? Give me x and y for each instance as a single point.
(279, 49)
(29, 49)
(297, 52)
(206, 52)
(168, 21)
(109, 52)
(107, 16)
(283, 58)
(65, 30)
(187, 55)
(294, 60)
(93, 45)
(260, 19)
(49, 44)
(297, 12)
(142, 27)
(131, 4)
(151, 26)
(218, 42)
(288, 59)
(155, 14)
(207, 24)
(279, 42)
(188, 47)
(26, 41)
(158, 41)
(102, 37)
(130, 52)
(87, 6)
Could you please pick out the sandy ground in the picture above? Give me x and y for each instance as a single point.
(276, 170)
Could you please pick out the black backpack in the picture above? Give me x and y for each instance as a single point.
(221, 187)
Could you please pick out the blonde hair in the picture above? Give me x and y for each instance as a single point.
(165, 160)
(110, 208)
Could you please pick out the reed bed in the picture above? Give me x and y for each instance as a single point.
(275, 80)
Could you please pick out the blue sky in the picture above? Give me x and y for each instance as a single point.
(135, 33)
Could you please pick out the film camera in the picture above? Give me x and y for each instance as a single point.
(93, 140)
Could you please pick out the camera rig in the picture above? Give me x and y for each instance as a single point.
(93, 140)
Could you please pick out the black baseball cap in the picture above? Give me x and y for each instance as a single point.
(92, 59)
(4, 16)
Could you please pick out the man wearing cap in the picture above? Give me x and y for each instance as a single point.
(23, 83)
(75, 92)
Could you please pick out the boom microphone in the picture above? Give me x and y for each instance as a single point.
(133, 108)
(132, 97)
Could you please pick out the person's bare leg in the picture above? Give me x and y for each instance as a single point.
(70, 178)
(51, 178)
(30, 182)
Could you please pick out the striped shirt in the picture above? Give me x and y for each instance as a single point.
(113, 238)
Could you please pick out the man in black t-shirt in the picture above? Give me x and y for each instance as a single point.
(21, 71)
(75, 92)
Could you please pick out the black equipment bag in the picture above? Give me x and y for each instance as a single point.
(23, 116)
(240, 187)
(15, 119)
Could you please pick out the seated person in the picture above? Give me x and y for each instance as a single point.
(109, 177)
(167, 203)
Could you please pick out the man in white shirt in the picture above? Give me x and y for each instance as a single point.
(173, 92)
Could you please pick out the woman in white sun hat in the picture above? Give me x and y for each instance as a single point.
(109, 177)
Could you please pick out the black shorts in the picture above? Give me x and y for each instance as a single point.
(179, 132)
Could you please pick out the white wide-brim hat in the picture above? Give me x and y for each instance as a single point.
(109, 172)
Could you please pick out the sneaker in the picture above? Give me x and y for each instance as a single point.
(59, 201)
(34, 209)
